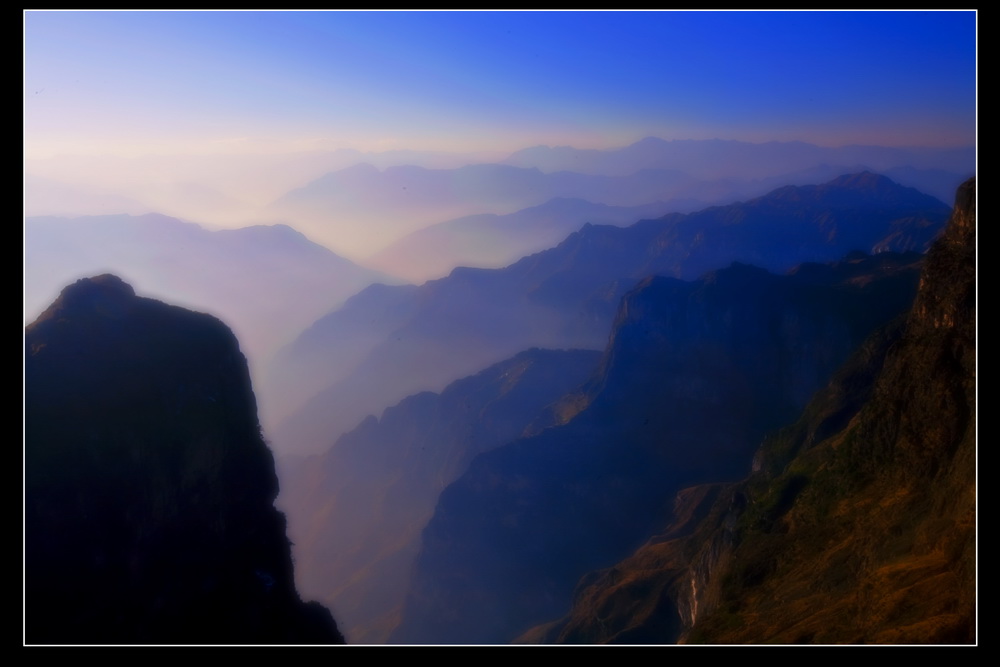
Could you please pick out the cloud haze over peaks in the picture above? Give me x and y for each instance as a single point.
(212, 116)
(181, 81)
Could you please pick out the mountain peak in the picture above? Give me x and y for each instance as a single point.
(107, 285)
(106, 294)
(650, 141)
(149, 490)
(864, 179)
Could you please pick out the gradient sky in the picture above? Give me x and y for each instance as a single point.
(136, 82)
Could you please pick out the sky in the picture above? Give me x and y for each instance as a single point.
(131, 83)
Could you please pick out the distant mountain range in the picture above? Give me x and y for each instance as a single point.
(357, 204)
(75, 185)
(728, 159)
(488, 240)
(412, 339)
(269, 282)
(370, 208)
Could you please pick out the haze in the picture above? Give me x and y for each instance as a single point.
(215, 115)
(510, 283)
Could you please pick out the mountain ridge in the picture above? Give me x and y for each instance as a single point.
(566, 297)
(693, 375)
(856, 523)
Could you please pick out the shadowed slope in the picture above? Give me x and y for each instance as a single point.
(358, 510)
(566, 297)
(149, 491)
(693, 377)
(879, 543)
(857, 523)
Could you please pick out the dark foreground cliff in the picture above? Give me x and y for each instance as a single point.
(857, 524)
(149, 490)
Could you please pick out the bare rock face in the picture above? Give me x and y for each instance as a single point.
(149, 490)
(857, 523)
(694, 376)
(875, 541)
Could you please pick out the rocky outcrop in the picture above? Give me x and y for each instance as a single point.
(149, 490)
(870, 535)
(695, 374)
(857, 523)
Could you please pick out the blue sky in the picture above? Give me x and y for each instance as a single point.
(136, 82)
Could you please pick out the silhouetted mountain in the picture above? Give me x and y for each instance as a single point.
(715, 171)
(269, 282)
(358, 510)
(487, 240)
(371, 208)
(724, 159)
(394, 202)
(857, 523)
(694, 375)
(244, 181)
(149, 490)
(566, 297)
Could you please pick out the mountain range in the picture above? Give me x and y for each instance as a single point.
(749, 419)
(856, 523)
(414, 339)
(269, 282)
(693, 376)
(487, 240)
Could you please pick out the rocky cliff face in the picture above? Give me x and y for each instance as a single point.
(695, 374)
(149, 490)
(857, 524)
(873, 535)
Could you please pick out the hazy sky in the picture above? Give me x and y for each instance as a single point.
(135, 82)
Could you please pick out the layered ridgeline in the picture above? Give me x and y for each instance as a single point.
(857, 523)
(394, 200)
(935, 171)
(488, 240)
(386, 205)
(268, 282)
(214, 190)
(149, 490)
(388, 343)
(694, 375)
(359, 509)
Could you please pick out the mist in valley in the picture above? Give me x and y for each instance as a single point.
(509, 284)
